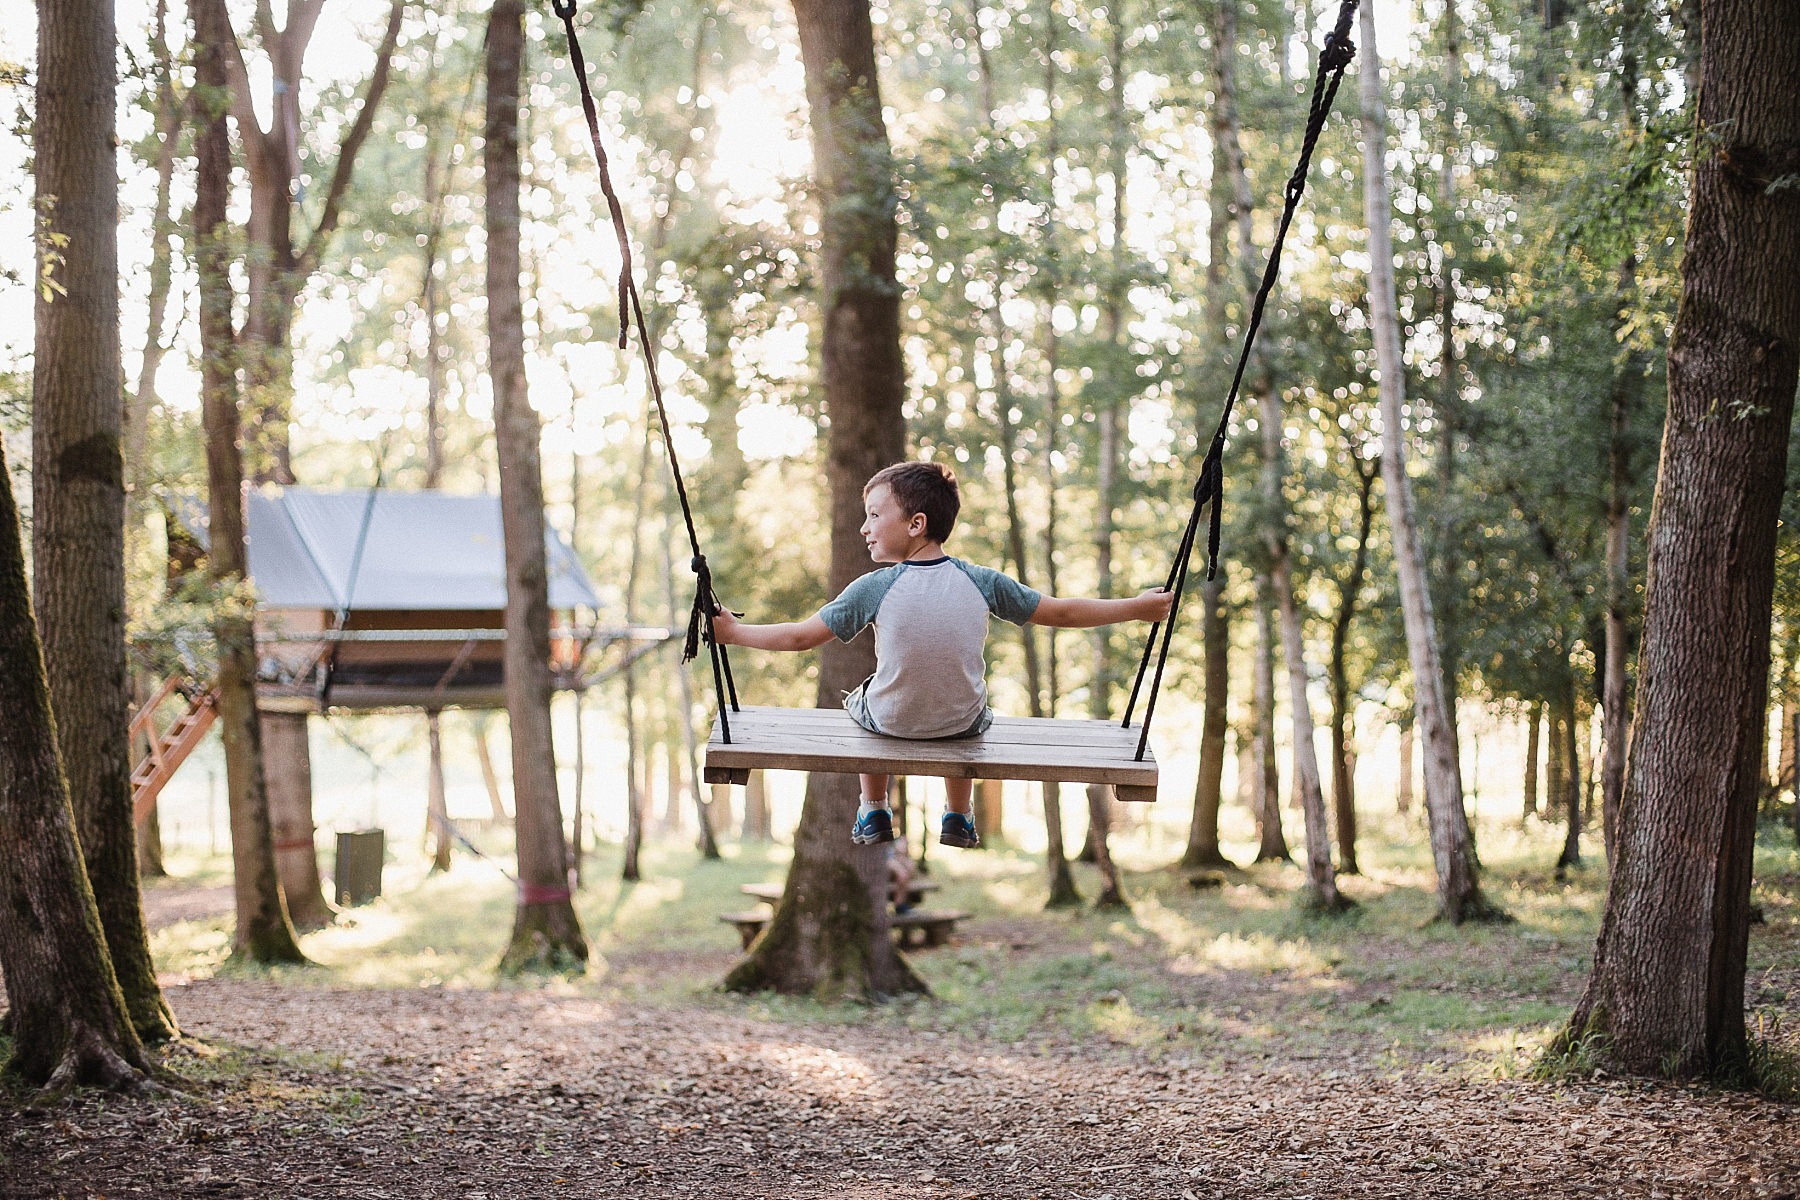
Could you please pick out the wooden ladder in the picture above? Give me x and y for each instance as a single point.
(170, 748)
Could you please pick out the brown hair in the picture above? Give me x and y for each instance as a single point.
(923, 487)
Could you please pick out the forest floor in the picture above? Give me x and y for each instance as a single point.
(1212, 1042)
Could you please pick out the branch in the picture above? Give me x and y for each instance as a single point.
(243, 108)
(307, 261)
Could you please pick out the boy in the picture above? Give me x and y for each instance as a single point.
(930, 614)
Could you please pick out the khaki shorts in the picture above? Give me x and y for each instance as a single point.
(857, 705)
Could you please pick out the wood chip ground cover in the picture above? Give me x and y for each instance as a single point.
(1279, 1079)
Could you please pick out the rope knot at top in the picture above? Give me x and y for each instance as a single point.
(564, 9)
(1337, 53)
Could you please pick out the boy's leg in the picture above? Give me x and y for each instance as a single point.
(874, 820)
(959, 821)
(874, 791)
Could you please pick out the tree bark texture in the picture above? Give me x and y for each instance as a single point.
(263, 932)
(829, 935)
(1534, 724)
(1272, 841)
(1452, 846)
(69, 1024)
(78, 475)
(437, 811)
(287, 759)
(1667, 991)
(1203, 826)
(1343, 775)
(546, 934)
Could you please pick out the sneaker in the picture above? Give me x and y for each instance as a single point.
(873, 827)
(959, 831)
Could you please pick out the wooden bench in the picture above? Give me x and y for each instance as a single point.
(826, 739)
(922, 927)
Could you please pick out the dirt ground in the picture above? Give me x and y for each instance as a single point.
(314, 1091)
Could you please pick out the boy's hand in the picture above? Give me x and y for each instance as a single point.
(1157, 604)
(724, 626)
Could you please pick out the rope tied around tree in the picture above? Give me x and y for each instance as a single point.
(1209, 489)
(631, 311)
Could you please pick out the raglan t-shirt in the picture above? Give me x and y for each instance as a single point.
(930, 622)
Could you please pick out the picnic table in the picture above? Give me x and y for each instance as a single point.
(922, 927)
(771, 892)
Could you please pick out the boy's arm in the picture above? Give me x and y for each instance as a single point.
(1082, 612)
(788, 635)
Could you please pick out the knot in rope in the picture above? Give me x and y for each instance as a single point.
(564, 9)
(705, 605)
(1337, 53)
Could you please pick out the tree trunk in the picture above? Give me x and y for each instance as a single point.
(490, 778)
(150, 848)
(1569, 777)
(1626, 393)
(1203, 827)
(1452, 848)
(437, 811)
(704, 813)
(263, 932)
(288, 761)
(1403, 801)
(1321, 878)
(829, 936)
(1343, 787)
(78, 484)
(1667, 991)
(1059, 879)
(68, 1021)
(1272, 842)
(636, 751)
(1534, 723)
(546, 934)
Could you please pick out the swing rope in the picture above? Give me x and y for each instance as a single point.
(1209, 489)
(631, 310)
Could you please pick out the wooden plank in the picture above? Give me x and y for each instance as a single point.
(1016, 748)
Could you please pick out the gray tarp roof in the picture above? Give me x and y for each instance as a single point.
(424, 550)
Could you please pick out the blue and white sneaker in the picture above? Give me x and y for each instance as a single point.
(959, 831)
(873, 827)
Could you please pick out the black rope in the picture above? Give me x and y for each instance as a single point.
(631, 310)
(1209, 489)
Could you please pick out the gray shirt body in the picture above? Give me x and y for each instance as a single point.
(930, 622)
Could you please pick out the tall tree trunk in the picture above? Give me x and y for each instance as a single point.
(1570, 775)
(490, 778)
(437, 811)
(77, 475)
(757, 826)
(1343, 787)
(169, 109)
(546, 934)
(67, 1018)
(1534, 723)
(704, 814)
(829, 936)
(1203, 827)
(1403, 801)
(289, 758)
(636, 752)
(1452, 847)
(1667, 990)
(1100, 685)
(1446, 554)
(1060, 880)
(1272, 842)
(263, 932)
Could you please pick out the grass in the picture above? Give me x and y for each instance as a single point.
(1232, 972)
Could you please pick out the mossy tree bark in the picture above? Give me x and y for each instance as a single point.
(546, 934)
(287, 755)
(1666, 996)
(829, 936)
(69, 1023)
(78, 475)
(263, 932)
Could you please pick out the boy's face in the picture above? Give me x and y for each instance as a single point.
(891, 533)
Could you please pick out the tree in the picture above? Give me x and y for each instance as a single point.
(1452, 847)
(546, 934)
(69, 1023)
(78, 477)
(829, 936)
(264, 932)
(1666, 995)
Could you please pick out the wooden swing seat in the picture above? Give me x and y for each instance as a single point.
(1035, 748)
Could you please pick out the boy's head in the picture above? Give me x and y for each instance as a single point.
(922, 488)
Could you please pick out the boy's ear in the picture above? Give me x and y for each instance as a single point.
(916, 524)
